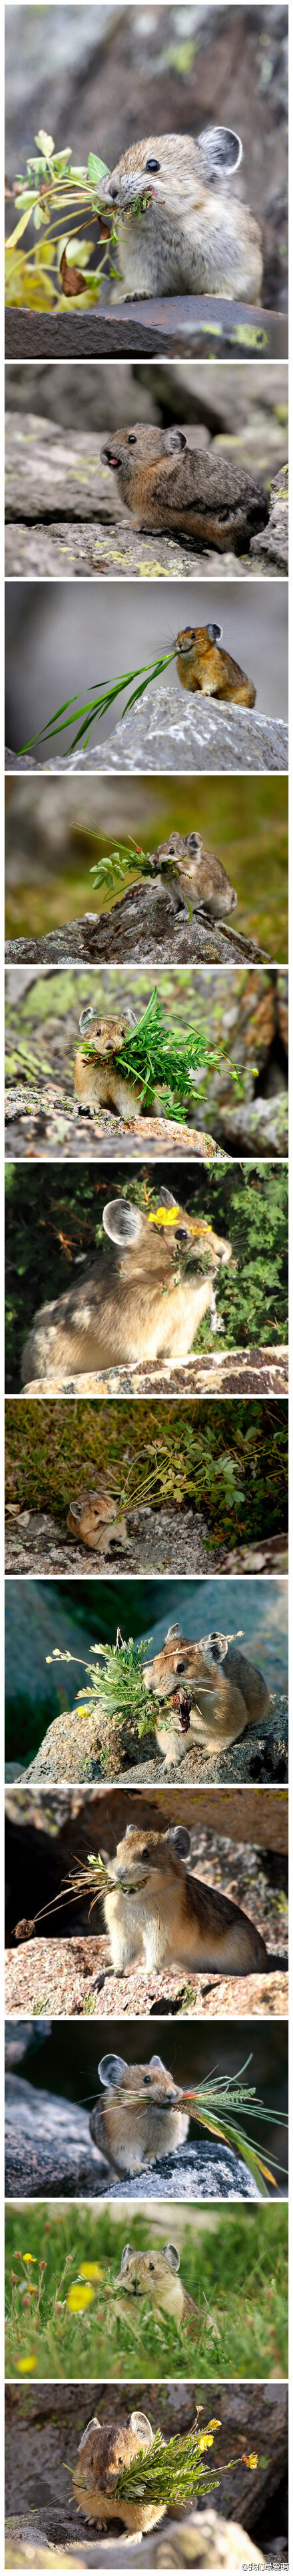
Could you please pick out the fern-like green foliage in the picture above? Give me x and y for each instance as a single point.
(173, 2472)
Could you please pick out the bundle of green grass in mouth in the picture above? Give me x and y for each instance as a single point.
(93, 708)
(159, 1058)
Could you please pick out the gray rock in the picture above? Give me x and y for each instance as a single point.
(142, 927)
(199, 2540)
(163, 734)
(271, 546)
(48, 2144)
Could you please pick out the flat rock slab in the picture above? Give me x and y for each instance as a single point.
(161, 733)
(48, 2148)
(163, 1542)
(63, 1978)
(73, 1744)
(174, 326)
(45, 1119)
(233, 1372)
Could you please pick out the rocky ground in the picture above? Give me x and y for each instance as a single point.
(143, 928)
(72, 1748)
(42, 1122)
(161, 1542)
(62, 1977)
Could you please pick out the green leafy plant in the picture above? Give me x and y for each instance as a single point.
(116, 1695)
(232, 1464)
(173, 2472)
(157, 1057)
(54, 188)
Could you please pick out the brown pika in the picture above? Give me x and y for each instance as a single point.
(155, 2276)
(104, 2450)
(186, 491)
(202, 665)
(140, 1306)
(98, 1081)
(92, 1520)
(196, 879)
(178, 231)
(213, 1693)
(157, 1909)
(139, 2118)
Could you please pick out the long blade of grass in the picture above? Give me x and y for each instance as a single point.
(109, 691)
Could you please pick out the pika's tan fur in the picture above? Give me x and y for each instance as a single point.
(195, 876)
(97, 1081)
(224, 1691)
(157, 1910)
(204, 665)
(133, 2132)
(189, 238)
(133, 1311)
(155, 2276)
(103, 2451)
(185, 491)
(92, 1519)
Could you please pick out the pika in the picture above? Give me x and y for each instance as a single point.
(134, 2132)
(155, 1909)
(212, 1691)
(186, 491)
(154, 2276)
(92, 1520)
(196, 879)
(202, 665)
(97, 1081)
(138, 1309)
(178, 232)
(104, 2450)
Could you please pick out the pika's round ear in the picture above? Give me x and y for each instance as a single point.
(111, 2069)
(122, 1222)
(220, 149)
(217, 1647)
(172, 2256)
(181, 1838)
(195, 843)
(92, 2427)
(175, 439)
(140, 2425)
(131, 1016)
(85, 1019)
(172, 1633)
(127, 2250)
(158, 2061)
(215, 633)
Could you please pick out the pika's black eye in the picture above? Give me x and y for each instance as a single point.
(152, 165)
(151, 2267)
(145, 1854)
(120, 2460)
(181, 1235)
(180, 1668)
(147, 2079)
(132, 441)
